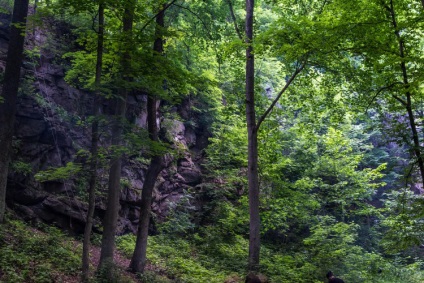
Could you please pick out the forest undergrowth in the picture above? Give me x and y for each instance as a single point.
(44, 253)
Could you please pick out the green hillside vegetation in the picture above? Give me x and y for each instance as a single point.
(45, 254)
(42, 254)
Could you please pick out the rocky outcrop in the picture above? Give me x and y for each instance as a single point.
(52, 129)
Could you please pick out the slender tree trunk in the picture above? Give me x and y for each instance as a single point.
(111, 216)
(138, 260)
(9, 94)
(94, 151)
(252, 135)
(36, 6)
(415, 138)
(253, 176)
(408, 103)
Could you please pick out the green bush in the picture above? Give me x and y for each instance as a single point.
(60, 173)
(21, 167)
(126, 244)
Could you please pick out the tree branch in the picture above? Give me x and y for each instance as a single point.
(288, 83)
(154, 17)
(93, 23)
(198, 17)
(233, 16)
(403, 102)
(380, 91)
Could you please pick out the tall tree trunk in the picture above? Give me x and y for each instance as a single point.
(138, 260)
(94, 150)
(111, 216)
(408, 103)
(10, 92)
(252, 136)
(253, 176)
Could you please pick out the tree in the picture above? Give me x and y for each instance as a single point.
(94, 148)
(408, 91)
(252, 136)
(252, 132)
(9, 94)
(111, 215)
(383, 45)
(138, 260)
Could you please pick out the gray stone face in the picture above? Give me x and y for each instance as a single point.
(28, 127)
(52, 126)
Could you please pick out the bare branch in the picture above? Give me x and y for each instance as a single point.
(233, 16)
(288, 83)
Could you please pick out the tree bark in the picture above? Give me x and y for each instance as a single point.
(94, 150)
(408, 94)
(111, 215)
(138, 260)
(253, 176)
(9, 94)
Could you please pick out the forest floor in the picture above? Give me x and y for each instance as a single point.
(120, 260)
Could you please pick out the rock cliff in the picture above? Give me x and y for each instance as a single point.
(52, 129)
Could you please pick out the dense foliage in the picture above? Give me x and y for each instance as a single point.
(340, 162)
